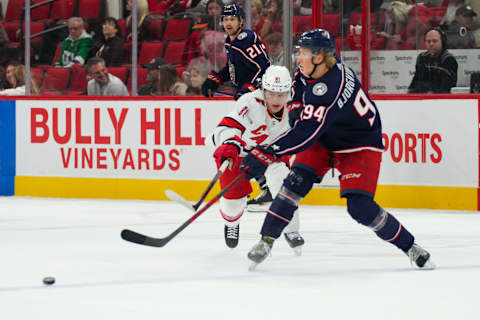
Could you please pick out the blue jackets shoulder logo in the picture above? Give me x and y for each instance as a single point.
(319, 89)
(242, 36)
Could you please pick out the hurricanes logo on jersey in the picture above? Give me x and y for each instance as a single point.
(277, 79)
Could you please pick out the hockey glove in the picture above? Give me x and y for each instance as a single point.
(294, 112)
(230, 149)
(247, 87)
(211, 84)
(256, 162)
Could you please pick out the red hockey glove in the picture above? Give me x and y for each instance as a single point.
(256, 162)
(230, 149)
(294, 112)
(211, 84)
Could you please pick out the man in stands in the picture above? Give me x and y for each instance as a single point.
(77, 47)
(152, 77)
(436, 68)
(102, 83)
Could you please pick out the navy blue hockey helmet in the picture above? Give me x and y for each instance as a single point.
(233, 10)
(317, 39)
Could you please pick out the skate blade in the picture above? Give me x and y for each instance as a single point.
(297, 250)
(253, 267)
(429, 265)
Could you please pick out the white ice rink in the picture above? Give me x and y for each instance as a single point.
(345, 272)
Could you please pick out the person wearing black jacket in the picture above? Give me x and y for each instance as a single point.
(110, 47)
(436, 68)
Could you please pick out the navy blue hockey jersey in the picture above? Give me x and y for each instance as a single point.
(246, 60)
(337, 113)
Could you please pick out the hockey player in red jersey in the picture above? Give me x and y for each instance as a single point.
(339, 126)
(246, 56)
(258, 118)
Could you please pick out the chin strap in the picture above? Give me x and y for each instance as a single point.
(315, 66)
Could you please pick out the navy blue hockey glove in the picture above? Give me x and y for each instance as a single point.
(294, 112)
(247, 87)
(256, 162)
(211, 84)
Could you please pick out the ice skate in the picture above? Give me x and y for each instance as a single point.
(295, 241)
(232, 234)
(258, 203)
(260, 251)
(420, 257)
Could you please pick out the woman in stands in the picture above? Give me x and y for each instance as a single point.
(195, 75)
(144, 26)
(110, 46)
(168, 82)
(272, 22)
(17, 79)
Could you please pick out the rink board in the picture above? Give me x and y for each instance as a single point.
(133, 148)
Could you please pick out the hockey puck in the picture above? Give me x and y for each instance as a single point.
(48, 280)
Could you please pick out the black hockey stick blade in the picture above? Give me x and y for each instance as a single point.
(139, 238)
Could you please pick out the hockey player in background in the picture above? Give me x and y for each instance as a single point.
(258, 118)
(246, 56)
(339, 126)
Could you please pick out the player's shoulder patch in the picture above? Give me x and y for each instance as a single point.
(319, 89)
(242, 35)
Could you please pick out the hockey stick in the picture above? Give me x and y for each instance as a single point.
(139, 238)
(172, 195)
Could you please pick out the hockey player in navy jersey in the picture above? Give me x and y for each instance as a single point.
(258, 118)
(339, 126)
(246, 56)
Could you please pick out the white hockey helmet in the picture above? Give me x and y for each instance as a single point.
(277, 79)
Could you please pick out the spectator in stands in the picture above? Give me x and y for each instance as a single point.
(436, 68)
(194, 76)
(77, 47)
(257, 12)
(152, 77)
(213, 49)
(4, 83)
(408, 21)
(449, 15)
(272, 22)
(302, 7)
(275, 48)
(110, 47)
(214, 10)
(168, 82)
(144, 25)
(459, 32)
(17, 79)
(10, 70)
(102, 83)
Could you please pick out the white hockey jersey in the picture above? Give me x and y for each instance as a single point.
(251, 121)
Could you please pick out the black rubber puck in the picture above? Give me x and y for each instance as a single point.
(48, 280)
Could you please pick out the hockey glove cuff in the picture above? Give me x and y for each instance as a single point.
(294, 112)
(256, 162)
(211, 84)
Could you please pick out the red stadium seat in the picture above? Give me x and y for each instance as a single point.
(141, 78)
(14, 9)
(57, 53)
(11, 29)
(42, 12)
(331, 23)
(119, 72)
(56, 79)
(174, 52)
(177, 29)
(121, 23)
(157, 28)
(149, 51)
(78, 79)
(88, 9)
(302, 23)
(37, 75)
(63, 9)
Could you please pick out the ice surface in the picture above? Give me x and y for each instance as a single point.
(345, 272)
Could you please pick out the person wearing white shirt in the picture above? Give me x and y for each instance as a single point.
(102, 83)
